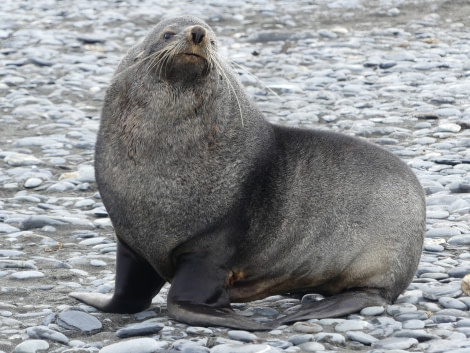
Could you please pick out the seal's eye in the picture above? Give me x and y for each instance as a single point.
(168, 35)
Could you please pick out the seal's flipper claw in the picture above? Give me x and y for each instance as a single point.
(336, 306)
(199, 296)
(135, 285)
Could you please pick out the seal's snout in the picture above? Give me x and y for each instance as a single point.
(197, 34)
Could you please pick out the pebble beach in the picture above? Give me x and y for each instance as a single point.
(394, 72)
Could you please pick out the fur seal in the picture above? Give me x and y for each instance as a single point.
(204, 193)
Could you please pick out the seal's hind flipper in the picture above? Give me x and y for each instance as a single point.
(136, 284)
(199, 296)
(336, 306)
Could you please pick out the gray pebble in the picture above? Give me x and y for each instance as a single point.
(307, 327)
(279, 343)
(46, 333)
(311, 347)
(420, 335)
(395, 343)
(25, 275)
(434, 247)
(333, 338)
(459, 271)
(7, 229)
(244, 348)
(32, 346)
(417, 315)
(373, 311)
(444, 232)
(413, 324)
(137, 345)
(243, 336)
(452, 303)
(79, 321)
(10, 253)
(361, 337)
(299, 339)
(199, 331)
(434, 291)
(147, 327)
(463, 239)
(20, 159)
(32, 183)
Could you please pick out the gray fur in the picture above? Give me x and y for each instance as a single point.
(191, 165)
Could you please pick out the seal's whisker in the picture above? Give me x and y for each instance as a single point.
(221, 70)
(244, 69)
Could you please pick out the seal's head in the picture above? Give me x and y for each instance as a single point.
(180, 49)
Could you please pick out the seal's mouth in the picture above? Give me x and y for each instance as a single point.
(193, 57)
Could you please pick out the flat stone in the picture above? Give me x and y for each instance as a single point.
(463, 239)
(307, 327)
(361, 337)
(395, 343)
(20, 159)
(452, 303)
(351, 325)
(79, 321)
(32, 346)
(420, 335)
(25, 275)
(137, 345)
(148, 327)
(46, 333)
(243, 348)
(444, 232)
(312, 347)
(333, 338)
(434, 291)
(199, 331)
(7, 229)
(240, 335)
(299, 339)
(372, 311)
(32, 183)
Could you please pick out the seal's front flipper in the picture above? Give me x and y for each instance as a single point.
(136, 284)
(199, 296)
(336, 306)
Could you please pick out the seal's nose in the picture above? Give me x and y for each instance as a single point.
(197, 34)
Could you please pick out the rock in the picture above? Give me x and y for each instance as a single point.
(434, 291)
(32, 346)
(147, 327)
(46, 333)
(7, 229)
(307, 327)
(465, 285)
(351, 325)
(243, 348)
(79, 321)
(243, 336)
(20, 159)
(299, 339)
(395, 343)
(361, 337)
(137, 345)
(373, 311)
(312, 347)
(25, 275)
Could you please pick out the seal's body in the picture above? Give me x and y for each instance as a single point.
(204, 193)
